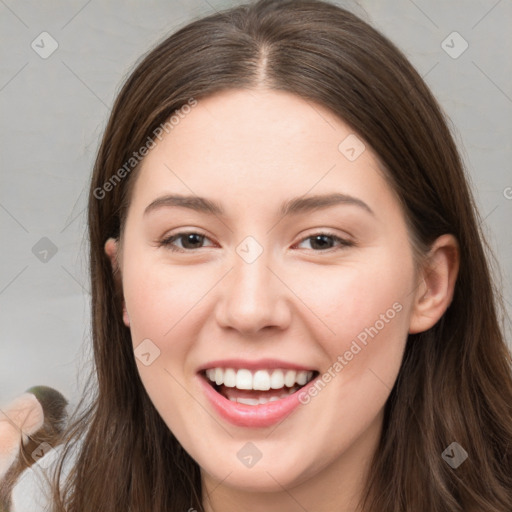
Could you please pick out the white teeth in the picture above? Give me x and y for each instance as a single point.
(230, 378)
(277, 379)
(261, 380)
(264, 400)
(289, 378)
(219, 376)
(302, 378)
(248, 401)
(243, 379)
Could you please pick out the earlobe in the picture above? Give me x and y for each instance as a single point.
(435, 292)
(126, 318)
(111, 246)
(112, 251)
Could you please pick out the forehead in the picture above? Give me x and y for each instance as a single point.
(253, 145)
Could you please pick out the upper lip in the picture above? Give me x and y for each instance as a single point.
(259, 364)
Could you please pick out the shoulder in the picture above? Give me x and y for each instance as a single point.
(32, 490)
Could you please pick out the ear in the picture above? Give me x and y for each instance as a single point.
(112, 251)
(434, 294)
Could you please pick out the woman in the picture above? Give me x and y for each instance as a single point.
(263, 369)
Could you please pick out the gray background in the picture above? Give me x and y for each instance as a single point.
(54, 109)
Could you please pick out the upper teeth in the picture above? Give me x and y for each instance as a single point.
(261, 380)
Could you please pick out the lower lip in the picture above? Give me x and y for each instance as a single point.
(256, 416)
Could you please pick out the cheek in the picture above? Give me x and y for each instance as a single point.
(364, 313)
(166, 304)
(353, 297)
(157, 296)
(162, 301)
(346, 298)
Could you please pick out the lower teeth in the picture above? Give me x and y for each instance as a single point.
(264, 400)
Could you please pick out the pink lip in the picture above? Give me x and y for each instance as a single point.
(242, 415)
(252, 364)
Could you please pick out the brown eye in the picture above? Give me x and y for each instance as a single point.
(190, 240)
(324, 241)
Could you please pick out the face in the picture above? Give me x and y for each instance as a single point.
(327, 290)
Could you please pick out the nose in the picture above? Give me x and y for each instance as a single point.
(253, 297)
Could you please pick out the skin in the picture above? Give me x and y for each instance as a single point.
(301, 302)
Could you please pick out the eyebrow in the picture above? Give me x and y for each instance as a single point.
(293, 206)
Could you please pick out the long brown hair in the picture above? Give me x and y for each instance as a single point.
(455, 382)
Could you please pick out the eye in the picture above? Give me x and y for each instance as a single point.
(323, 241)
(192, 240)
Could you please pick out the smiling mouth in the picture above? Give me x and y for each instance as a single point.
(257, 387)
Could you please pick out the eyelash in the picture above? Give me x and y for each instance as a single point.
(167, 242)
